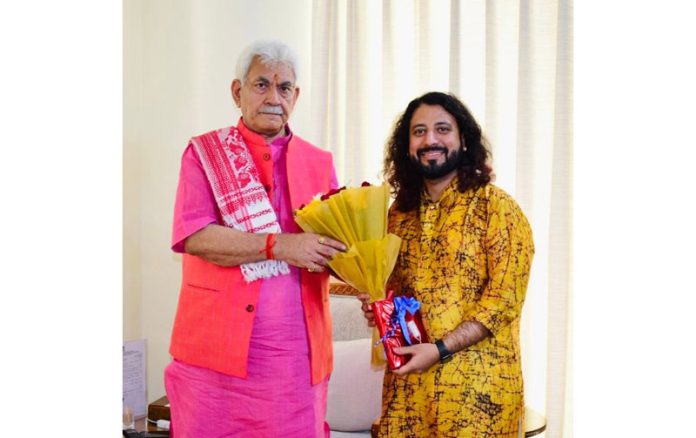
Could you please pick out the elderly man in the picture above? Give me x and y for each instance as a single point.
(251, 342)
(465, 255)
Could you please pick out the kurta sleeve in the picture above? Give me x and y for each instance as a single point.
(509, 251)
(195, 206)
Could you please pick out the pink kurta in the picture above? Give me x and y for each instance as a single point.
(277, 397)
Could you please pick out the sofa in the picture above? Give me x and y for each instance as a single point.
(355, 388)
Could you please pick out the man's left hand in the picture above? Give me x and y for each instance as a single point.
(423, 356)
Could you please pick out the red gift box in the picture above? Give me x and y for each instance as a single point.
(391, 331)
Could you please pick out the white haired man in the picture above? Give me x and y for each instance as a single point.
(251, 342)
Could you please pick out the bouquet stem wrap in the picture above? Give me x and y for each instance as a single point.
(399, 323)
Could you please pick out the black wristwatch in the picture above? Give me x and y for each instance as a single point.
(445, 355)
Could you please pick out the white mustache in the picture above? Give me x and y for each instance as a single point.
(272, 110)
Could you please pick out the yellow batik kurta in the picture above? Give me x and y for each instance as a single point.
(466, 257)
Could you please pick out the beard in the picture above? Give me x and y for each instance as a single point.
(433, 170)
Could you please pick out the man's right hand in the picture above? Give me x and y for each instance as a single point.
(367, 309)
(306, 250)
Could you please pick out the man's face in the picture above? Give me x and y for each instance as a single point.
(434, 142)
(266, 98)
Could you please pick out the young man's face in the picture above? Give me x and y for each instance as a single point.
(435, 144)
(266, 98)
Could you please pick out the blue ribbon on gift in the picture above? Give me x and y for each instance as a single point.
(401, 306)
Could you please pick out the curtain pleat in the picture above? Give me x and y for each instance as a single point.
(559, 375)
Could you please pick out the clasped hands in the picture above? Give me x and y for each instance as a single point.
(423, 356)
(307, 250)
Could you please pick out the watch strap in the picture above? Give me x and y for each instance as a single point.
(445, 354)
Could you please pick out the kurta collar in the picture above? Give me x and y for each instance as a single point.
(258, 139)
(446, 199)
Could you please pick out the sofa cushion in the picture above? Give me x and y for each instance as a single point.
(355, 388)
(348, 320)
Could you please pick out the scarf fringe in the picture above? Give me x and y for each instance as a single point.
(264, 269)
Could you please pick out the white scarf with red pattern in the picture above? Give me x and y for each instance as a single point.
(239, 194)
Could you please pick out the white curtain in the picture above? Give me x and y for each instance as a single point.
(511, 64)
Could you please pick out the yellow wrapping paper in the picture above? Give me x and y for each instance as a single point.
(357, 217)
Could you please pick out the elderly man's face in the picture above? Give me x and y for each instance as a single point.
(434, 141)
(266, 98)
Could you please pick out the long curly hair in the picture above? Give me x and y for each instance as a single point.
(404, 176)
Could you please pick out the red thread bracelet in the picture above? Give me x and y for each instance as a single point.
(270, 241)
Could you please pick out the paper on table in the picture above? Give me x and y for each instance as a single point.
(134, 385)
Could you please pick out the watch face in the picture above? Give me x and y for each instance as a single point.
(446, 358)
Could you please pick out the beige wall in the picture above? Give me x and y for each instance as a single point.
(179, 61)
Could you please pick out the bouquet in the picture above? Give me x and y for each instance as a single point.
(357, 217)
